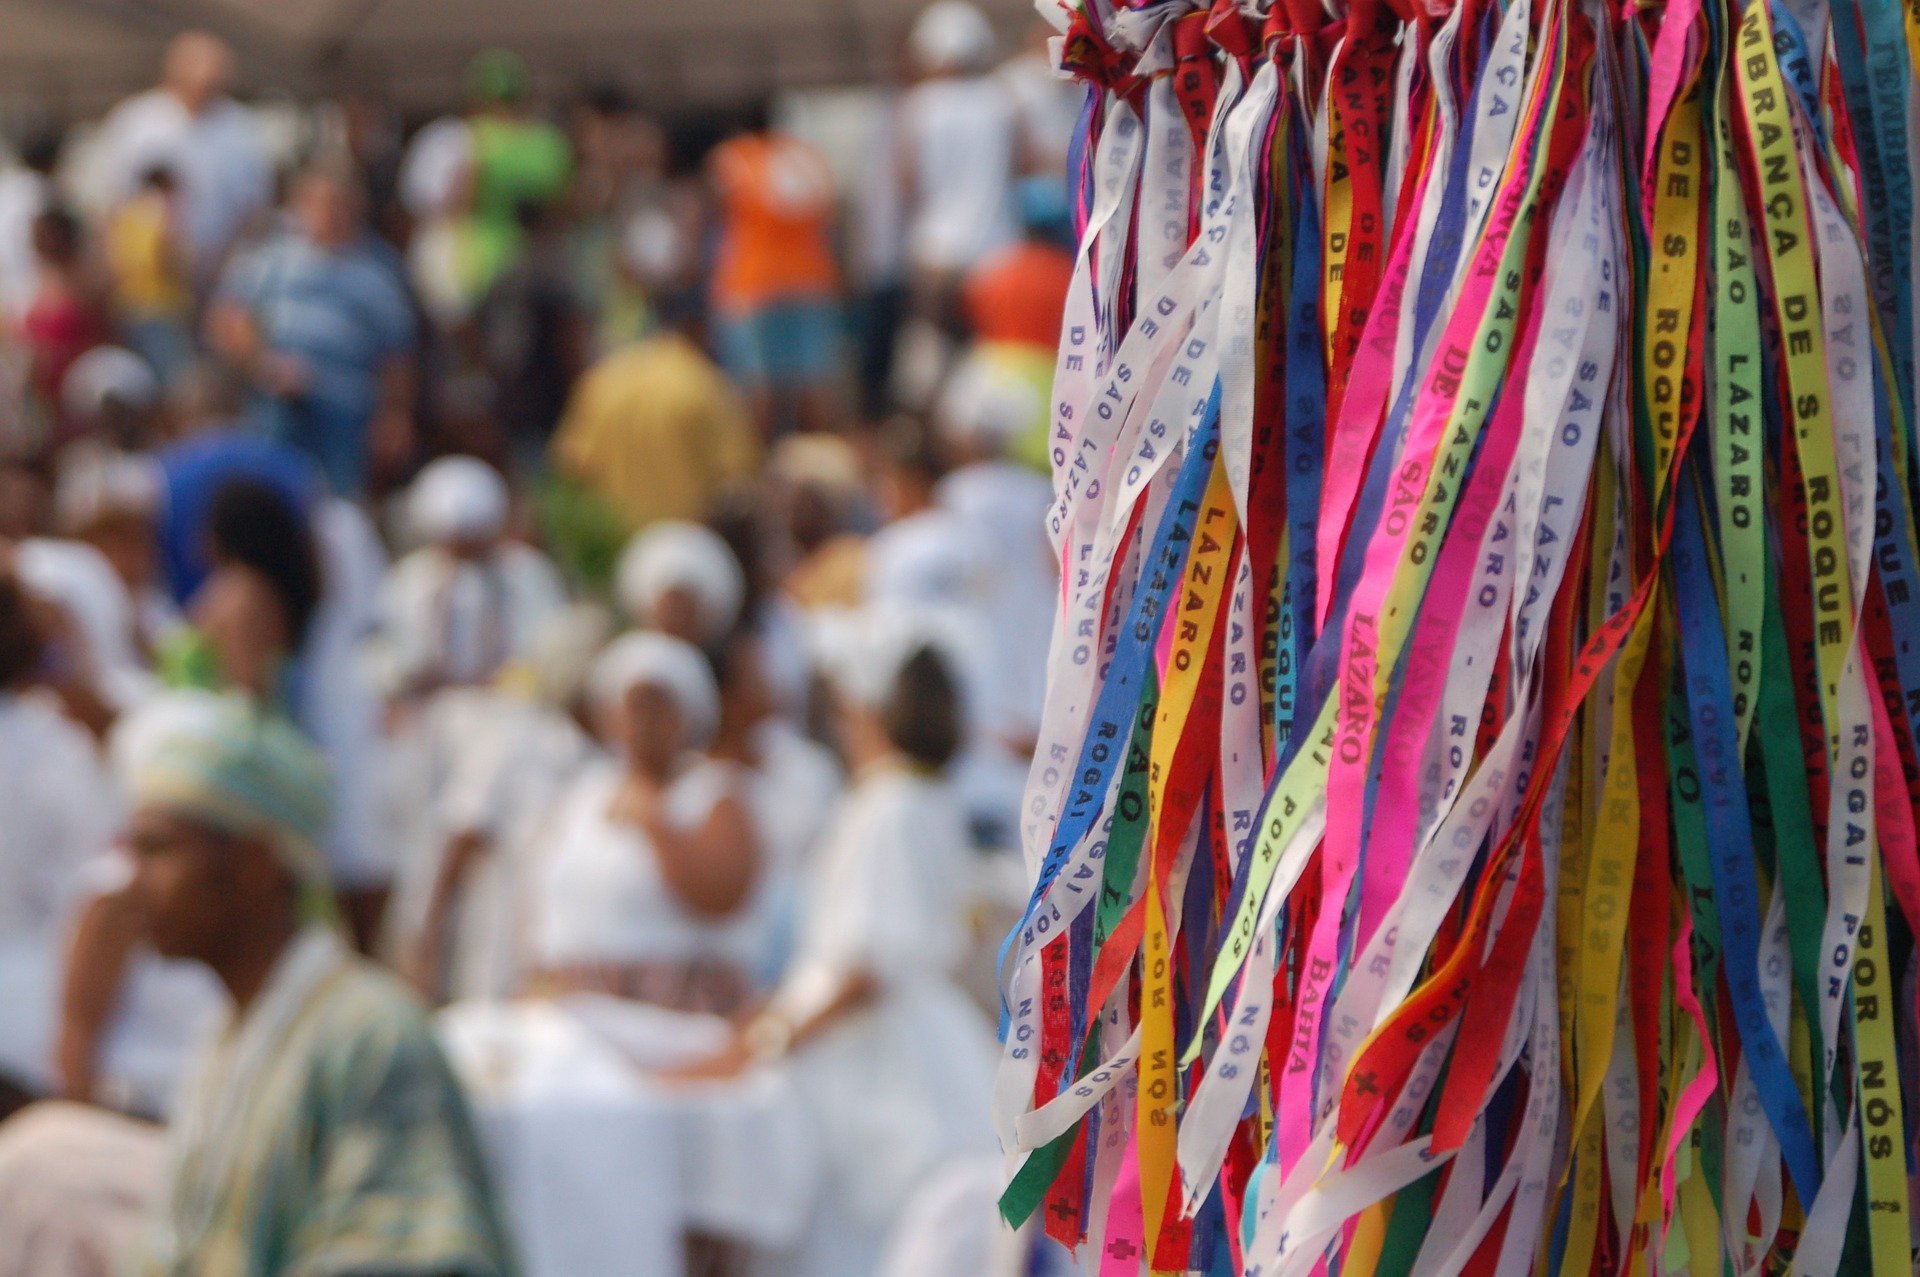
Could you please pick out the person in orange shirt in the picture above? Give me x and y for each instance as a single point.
(775, 287)
(1019, 294)
(1014, 302)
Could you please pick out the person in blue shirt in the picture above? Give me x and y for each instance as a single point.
(193, 472)
(319, 321)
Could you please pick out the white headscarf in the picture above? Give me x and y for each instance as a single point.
(952, 35)
(108, 374)
(458, 499)
(79, 579)
(929, 559)
(651, 659)
(987, 403)
(674, 554)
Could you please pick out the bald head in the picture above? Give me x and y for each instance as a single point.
(197, 69)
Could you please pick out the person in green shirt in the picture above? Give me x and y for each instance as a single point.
(519, 160)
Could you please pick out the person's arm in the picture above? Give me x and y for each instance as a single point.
(103, 941)
(427, 962)
(768, 1034)
(390, 434)
(711, 867)
(231, 332)
(233, 335)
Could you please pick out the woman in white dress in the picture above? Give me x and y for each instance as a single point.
(643, 889)
(796, 785)
(892, 1059)
(681, 578)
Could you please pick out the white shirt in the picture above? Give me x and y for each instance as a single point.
(218, 157)
(903, 1084)
(339, 708)
(60, 812)
(599, 895)
(459, 620)
(79, 579)
(23, 197)
(435, 163)
(1048, 105)
(1006, 504)
(929, 558)
(962, 135)
(477, 758)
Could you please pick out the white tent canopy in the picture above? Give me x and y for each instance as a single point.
(71, 58)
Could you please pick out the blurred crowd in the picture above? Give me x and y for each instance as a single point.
(547, 549)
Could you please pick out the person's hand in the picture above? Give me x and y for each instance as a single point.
(639, 803)
(729, 1062)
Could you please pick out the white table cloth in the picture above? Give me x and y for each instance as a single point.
(601, 1168)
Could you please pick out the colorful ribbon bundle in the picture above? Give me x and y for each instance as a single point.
(1483, 729)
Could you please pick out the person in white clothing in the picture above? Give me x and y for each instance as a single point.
(681, 578)
(938, 562)
(985, 406)
(469, 600)
(643, 883)
(960, 134)
(892, 1059)
(796, 783)
(211, 143)
(99, 671)
(497, 759)
(60, 812)
(26, 191)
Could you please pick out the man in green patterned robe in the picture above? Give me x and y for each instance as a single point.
(323, 1134)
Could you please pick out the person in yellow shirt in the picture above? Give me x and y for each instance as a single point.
(653, 430)
(151, 298)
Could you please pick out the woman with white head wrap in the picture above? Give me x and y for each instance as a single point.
(892, 1058)
(681, 578)
(644, 888)
(498, 757)
(111, 390)
(469, 600)
(77, 579)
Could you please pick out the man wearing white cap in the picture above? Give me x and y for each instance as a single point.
(469, 600)
(111, 392)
